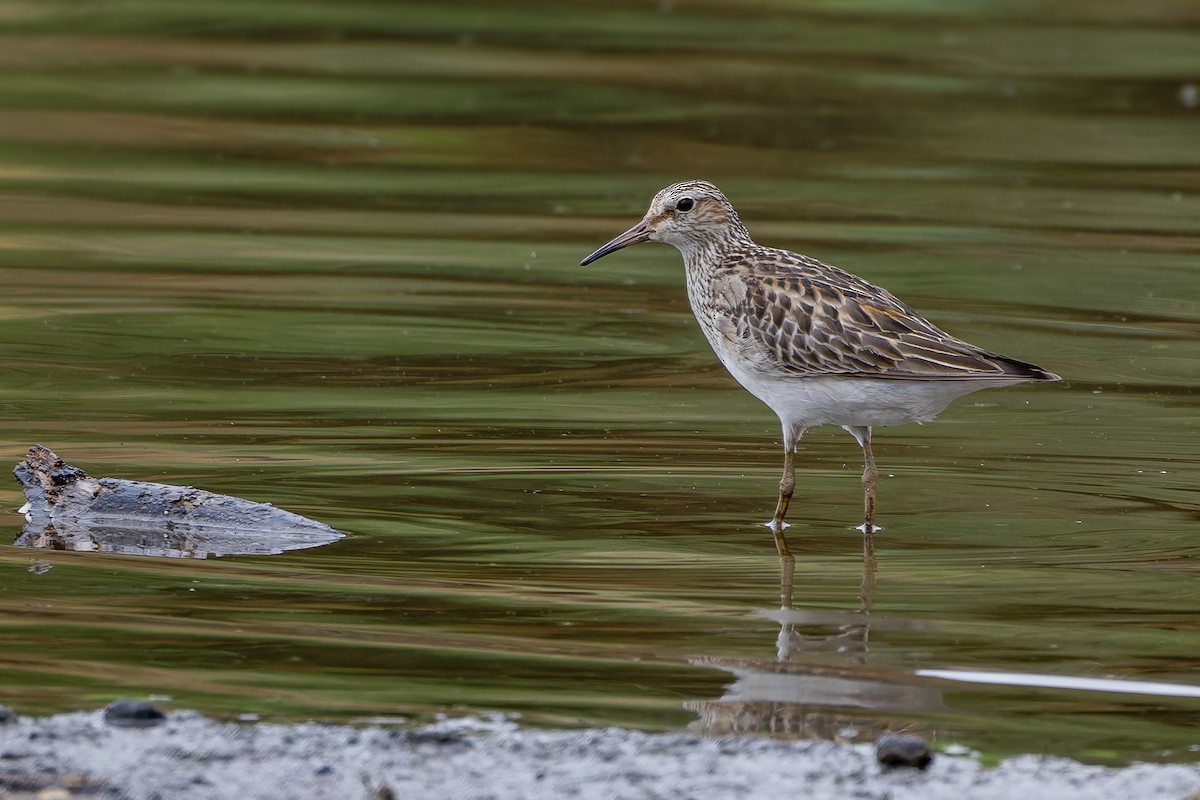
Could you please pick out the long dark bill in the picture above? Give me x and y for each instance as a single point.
(635, 235)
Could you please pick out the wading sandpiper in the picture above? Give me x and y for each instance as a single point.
(815, 343)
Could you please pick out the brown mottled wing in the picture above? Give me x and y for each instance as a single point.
(807, 318)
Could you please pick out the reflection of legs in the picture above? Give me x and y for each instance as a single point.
(787, 629)
(859, 633)
(866, 590)
(870, 476)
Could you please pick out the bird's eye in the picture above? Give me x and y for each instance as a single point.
(685, 204)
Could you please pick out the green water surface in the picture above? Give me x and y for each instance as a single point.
(324, 255)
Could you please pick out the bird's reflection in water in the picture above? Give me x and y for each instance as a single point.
(820, 684)
(853, 636)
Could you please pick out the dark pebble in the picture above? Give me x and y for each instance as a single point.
(435, 737)
(133, 714)
(381, 791)
(901, 750)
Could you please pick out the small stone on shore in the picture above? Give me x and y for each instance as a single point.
(133, 714)
(902, 750)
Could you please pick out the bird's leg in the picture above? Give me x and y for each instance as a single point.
(870, 476)
(870, 479)
(787, 484)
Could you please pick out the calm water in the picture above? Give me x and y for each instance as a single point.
(324, 255)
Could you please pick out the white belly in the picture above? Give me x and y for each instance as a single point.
(869, 402)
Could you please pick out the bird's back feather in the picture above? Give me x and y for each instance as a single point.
(794, 315)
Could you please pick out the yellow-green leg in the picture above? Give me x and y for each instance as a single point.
(787, 484)
(870, 476)
(870, 480)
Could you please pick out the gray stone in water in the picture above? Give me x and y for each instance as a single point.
(133, 714)
(7, 715)
(902, 750)
(69, 510)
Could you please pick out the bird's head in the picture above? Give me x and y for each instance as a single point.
(692, 216)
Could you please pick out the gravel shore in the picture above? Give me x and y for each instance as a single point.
(191, 757)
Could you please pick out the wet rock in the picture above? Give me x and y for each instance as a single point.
(902, 750)
(7, 715)
(133, 714)
(67, 509)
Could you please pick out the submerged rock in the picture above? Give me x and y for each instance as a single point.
(69, 510)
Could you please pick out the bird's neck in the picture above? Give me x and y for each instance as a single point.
(705, 254)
